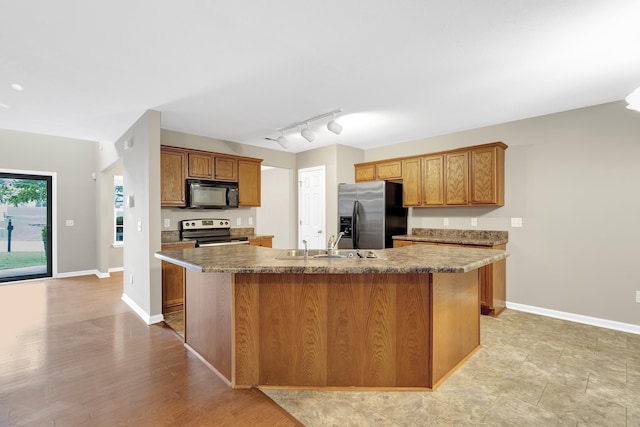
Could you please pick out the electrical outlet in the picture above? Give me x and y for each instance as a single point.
(238, 221)
(250, 220)
(69, 223)
(445, 222)
(516, 222)
(167, 223)
(139, 225)
(474, 222)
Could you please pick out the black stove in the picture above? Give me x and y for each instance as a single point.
(210, 232)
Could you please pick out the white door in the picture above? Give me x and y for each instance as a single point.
(311, 207)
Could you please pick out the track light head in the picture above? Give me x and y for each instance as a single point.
(307, 134)
(334, 126)
(283, 141)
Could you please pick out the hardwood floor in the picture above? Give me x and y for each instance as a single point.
(72, 353)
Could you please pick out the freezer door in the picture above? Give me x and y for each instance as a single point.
(346, 198)
(370, 224)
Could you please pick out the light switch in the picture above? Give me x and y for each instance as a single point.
(167, 223)
(69, 223)
(516, 222)
(445, 222)
(474, 222)
(139, 225)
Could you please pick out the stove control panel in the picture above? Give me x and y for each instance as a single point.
(199, 224)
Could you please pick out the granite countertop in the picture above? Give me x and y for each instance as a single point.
(460, 237)
(407, 259)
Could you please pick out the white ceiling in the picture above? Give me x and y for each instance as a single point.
(240, 70)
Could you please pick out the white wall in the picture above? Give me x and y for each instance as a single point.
(73, 161)
(573, 177)
(275, 216)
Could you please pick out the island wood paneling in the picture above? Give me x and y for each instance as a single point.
(456, 320)
(333, 330)
(366, 330)
(208, 318)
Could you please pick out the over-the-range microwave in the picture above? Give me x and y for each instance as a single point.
(211, 194)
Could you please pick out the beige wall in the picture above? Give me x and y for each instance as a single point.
(573, 177)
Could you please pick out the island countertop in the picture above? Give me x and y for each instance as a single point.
(408, 259)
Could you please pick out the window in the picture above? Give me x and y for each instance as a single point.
(118, 236)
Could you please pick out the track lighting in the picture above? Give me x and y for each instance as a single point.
(282, 140)
(333, 126)
(307, 134)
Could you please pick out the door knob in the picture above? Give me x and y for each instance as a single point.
(319, 231)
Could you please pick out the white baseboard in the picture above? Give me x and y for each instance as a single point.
(78, 273)
(116, 269)
(578, 318)
(149, 320)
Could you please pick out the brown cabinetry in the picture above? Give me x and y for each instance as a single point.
(456, 178)
(470, 176)
(225, 169)
(172, 177)
(249, 183)
(173, 277)
(177, 164)
(492, 278)
(374, 171)
(265, 242)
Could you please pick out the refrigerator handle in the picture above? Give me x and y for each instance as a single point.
(355, 229)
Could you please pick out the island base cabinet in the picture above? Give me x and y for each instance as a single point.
(369, 331)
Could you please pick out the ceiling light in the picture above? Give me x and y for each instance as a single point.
(307, 134)
(634, 100)
(17, 87)
(333, 126)
(282, 141)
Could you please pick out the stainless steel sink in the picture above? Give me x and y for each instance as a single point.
(323, 254)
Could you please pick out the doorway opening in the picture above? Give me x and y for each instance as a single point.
(26, 249)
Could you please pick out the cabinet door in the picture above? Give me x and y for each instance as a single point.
(487, 172)
(264, 242)
(400, 243)
(389, 170)
(365, 172)
(226, 169)
(248, 183)
(411, 182)
(433, 181)
(172, 178)
(200, 166)
(456, 178)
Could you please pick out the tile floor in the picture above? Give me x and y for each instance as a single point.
(175, 321)
(531, 371)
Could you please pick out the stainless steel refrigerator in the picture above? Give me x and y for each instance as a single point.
(369, 214)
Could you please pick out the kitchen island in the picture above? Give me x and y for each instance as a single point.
(403, 320)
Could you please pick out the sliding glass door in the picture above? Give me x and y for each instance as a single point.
(25, 226)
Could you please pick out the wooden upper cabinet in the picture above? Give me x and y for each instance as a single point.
(249, 189)
(226, 169)
(200, 166)
(456, 178)
(487, 175)
(389, 170)
(412, 182)
(433, 180)
(172, 178)
(365, 172)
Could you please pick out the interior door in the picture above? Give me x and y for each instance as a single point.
(312, 207)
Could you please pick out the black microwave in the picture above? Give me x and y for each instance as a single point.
(211, 194)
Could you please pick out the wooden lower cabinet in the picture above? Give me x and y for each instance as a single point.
(492, 278)
(173, 277)
(265, 242)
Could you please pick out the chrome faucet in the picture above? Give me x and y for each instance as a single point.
(306, 249)
(332, 245)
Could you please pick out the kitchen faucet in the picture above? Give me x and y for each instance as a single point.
(332, 245)
(306, 249)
